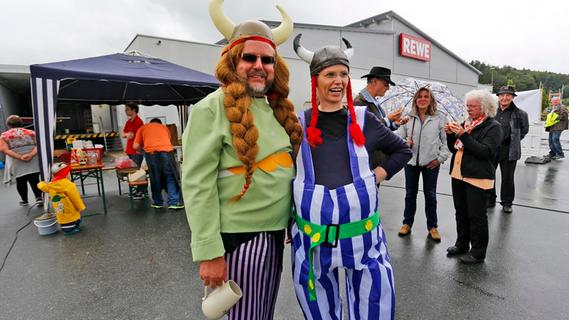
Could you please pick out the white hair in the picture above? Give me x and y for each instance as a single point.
(488, 101)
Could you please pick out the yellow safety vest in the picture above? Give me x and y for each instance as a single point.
(552, 118)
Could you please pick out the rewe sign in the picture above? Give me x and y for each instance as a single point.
(413, 47)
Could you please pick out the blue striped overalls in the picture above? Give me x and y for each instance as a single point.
(369, 275)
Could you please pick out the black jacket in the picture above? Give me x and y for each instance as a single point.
(519, 127)
(378, 158)
(480, 148)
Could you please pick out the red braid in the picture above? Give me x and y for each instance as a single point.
(355, 130)
(313, 134)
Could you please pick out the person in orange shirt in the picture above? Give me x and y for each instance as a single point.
(154, 139)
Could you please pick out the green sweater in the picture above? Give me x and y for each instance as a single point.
(208, 149)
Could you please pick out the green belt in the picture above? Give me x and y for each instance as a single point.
(329, 235)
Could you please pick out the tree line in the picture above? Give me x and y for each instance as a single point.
(524, 79)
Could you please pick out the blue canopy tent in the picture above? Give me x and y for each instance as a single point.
(109, 79)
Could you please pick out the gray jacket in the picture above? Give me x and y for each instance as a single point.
(429, 138)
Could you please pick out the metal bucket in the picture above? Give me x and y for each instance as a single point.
(46, 226)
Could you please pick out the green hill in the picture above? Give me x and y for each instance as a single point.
(523, 79)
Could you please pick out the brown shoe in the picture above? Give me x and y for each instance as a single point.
(405, 230)
(435, 235)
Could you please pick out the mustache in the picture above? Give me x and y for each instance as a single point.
(257, 73)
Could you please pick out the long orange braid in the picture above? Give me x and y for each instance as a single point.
(237, 102)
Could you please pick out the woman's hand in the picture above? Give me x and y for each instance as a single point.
(380, 174)
(433, 164)
(457, 129)
(26, 157)
(213, 272)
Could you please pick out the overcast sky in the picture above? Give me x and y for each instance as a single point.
(523, 33)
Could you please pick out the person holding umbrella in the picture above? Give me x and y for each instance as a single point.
(474, 145)
(425, 135)
(378, 82)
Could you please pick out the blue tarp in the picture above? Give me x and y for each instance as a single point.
(121, 77)
(111, 79)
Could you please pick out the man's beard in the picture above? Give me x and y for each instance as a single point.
(258, 90)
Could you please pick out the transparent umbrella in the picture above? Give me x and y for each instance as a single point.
(402, 94)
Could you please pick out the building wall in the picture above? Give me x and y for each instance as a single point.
(10, 101)
(198, 56)
(102, 119)
(167, 114)
(372, 47)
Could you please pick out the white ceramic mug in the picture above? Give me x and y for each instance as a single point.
(216, 304)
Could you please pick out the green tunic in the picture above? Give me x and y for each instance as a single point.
(208, 150)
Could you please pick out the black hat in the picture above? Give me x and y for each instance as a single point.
(380, 73)
(507, 89)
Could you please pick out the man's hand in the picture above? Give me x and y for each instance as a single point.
(433, 164)
(129, 135)
(403, 120)
(213, 272)
(395, 115)
(380, 174)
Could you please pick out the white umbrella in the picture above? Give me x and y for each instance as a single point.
(402, 94)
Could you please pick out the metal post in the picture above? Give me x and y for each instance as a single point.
(492, 79)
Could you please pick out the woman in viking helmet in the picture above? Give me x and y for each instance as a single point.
(335, 195)
(238, 168)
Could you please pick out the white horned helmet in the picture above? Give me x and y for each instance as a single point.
(325, 56)
(250, 29)
(322, 58)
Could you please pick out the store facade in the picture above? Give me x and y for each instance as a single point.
(386, 40)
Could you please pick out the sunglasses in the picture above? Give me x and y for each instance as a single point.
(251, 58)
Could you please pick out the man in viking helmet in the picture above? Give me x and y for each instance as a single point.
(337, 223)
(238, 168)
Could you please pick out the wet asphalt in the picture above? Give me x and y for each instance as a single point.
(136, 264)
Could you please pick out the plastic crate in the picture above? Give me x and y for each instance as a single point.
(94, 153)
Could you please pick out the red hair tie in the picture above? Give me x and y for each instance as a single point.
(241, 40)
(355, 130)
(313, 134)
